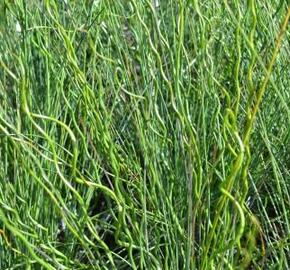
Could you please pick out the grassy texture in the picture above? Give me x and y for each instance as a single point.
(144, 134)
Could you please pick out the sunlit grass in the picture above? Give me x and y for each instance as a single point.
(144, 135)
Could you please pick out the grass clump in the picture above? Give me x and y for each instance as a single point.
(144, 135)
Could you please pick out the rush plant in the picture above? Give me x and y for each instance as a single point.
(144, 134)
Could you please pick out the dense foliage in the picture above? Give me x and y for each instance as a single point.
(139, 134)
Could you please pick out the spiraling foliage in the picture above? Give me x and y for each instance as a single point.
(144, 134)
